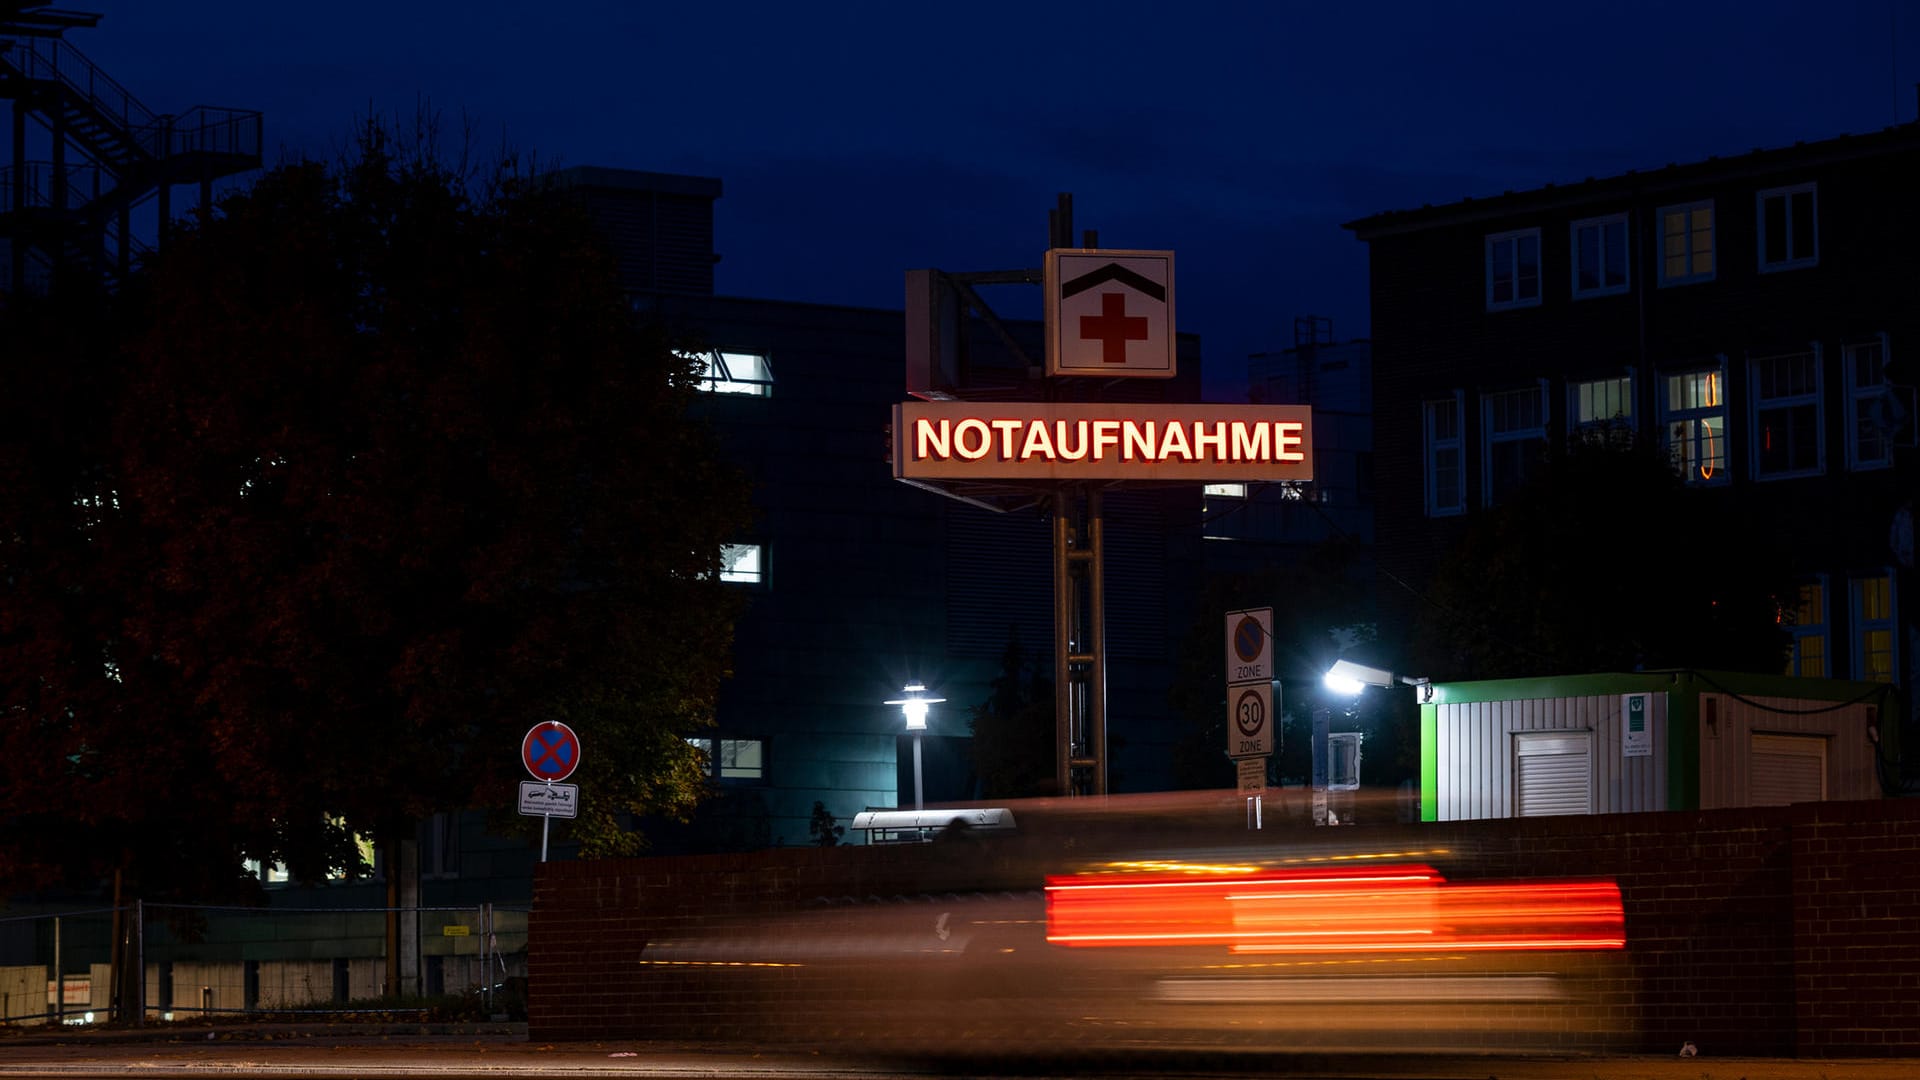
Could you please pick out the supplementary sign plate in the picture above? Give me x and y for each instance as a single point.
(1253, 775)
(549, 800)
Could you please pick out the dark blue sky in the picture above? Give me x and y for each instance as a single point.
(857, 140)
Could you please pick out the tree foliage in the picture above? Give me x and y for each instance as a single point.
(1013, 730)
(1319, 608)
(378, 471)
(1608, 562)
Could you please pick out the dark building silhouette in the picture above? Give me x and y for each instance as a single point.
(1250, 526)
(1753, 314)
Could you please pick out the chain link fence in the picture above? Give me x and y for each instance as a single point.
(176, 962)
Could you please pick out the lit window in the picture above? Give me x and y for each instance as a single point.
(1686, 243)
(1787, 418)
(1874, 415)
(1515, 436)
(742, 562)
(1225, 491)
(1694, 414)
(1600, 256)
(737, 759)
(1807, 624)
(736, 373)
(1789, 238)
(1513, 269)
(1446, 493)
(1602, 408)
(268, 873)
(1873, 648)
(742, 759)
(365, 856)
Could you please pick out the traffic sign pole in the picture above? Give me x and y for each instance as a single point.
(550, 751)
(1251, 716)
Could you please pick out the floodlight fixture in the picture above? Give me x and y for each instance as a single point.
(1350, 678)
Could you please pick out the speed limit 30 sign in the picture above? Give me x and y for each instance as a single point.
(1250, 720)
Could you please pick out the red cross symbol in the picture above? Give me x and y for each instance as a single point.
(1113, 328)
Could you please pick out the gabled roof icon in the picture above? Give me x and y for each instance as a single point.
(1114, 272)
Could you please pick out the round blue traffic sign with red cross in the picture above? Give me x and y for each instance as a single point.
(551, 751)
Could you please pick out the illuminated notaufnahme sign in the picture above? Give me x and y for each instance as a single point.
(973, 440)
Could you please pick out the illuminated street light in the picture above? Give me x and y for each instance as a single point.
(1349, 678)
(915, 709)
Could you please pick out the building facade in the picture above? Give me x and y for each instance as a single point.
(857, 585)
(1754, 315)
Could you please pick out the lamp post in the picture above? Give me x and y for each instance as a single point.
(915, 708)
(1350, 679)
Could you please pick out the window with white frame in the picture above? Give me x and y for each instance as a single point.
(1787, 417)
(1513, 426)
(1446, 477)
(1686, 243)
(727, 372)
(1873, 641)
(1513, 269)
(1873, 414)
(733, 759)
(1601, 409)
(743, 563)
(1789, 229)
(1600, 256)
(1806, 625)
(1693, 414)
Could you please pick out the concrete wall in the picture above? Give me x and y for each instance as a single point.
(1770, 931)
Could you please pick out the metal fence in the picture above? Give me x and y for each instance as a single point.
(172, 962)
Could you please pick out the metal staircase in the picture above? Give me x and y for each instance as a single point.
(107, 154)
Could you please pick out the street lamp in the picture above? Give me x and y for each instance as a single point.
(915, 708)
(1347, 677)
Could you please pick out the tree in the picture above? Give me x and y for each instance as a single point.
(1319, 608)
(1013, 730)
(383, 473)
(1608, 562)
(821, 828)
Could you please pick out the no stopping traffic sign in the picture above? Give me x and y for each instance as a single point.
(551, 751)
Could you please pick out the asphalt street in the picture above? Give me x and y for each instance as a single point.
(453, 1051)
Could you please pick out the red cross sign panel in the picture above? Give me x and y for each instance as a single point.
(551, 751)
(1110, 313)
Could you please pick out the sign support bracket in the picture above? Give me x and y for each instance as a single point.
(1079, 643)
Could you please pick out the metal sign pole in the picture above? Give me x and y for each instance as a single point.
(546, 821)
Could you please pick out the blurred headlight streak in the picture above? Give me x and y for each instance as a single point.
(1405, 908)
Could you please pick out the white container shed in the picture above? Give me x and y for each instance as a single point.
(1651, 740)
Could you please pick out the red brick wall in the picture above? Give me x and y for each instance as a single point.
(1779, 931)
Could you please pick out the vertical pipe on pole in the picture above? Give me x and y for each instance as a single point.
(59, 978)
(117, 959)
(1097, 642)
(139, 963)
(1062, 646)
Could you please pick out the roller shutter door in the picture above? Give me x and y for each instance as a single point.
(1553, 774)
(1785, 769)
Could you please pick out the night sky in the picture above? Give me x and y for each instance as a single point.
(857, 140)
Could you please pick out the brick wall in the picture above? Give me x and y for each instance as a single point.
(1780, 931)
